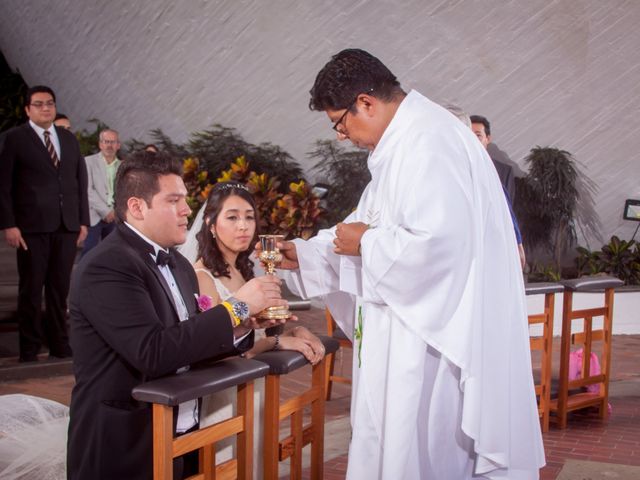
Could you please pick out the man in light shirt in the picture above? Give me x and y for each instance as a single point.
(101, 172)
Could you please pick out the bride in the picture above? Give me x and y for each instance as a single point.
(225, 232)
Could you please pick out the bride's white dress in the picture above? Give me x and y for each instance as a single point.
(222, 405)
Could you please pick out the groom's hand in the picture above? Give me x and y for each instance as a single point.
(348, 236)
(260, 293)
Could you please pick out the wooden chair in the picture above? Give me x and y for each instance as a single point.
(568, 401)
(334, 332)
(167, 393)
(543, 344)
(275, 449)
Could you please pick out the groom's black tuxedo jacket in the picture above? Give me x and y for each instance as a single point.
(125, 331)
(34, 195)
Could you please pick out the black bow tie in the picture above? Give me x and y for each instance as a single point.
(165, 258)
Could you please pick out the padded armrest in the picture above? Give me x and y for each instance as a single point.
(588, 284)
(295, 302)
(539, 288)
(199, 382)
(299, 304)
(284, 361)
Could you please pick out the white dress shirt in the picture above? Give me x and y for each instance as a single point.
(187, 411)
(53, 136)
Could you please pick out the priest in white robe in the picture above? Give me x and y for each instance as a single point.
(424, 277)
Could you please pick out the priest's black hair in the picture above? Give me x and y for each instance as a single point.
(348, 74)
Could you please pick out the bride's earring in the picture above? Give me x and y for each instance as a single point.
(213, 234)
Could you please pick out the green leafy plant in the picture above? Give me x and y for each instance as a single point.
(296, 214)
(547, 203)
(544, 273)
(588, 262)
(13, 92)
(346, 173)
(619, 258)
(88, 139)
(215, 146)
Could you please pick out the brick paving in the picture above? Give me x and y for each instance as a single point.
(587, 438)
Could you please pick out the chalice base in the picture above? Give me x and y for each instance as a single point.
(275, 313)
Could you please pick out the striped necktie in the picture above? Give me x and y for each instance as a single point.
(50, 149)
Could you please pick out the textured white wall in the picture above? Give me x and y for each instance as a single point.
(563, 73)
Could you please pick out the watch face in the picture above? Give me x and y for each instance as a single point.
(241, 309)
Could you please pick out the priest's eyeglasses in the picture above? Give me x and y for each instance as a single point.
(336, 126)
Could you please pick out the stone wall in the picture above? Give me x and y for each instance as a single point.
(564, 73)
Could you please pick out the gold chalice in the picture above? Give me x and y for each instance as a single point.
(271, 257)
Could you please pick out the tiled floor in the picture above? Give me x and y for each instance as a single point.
(587, 438)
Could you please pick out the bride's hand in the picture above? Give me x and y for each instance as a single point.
(313, 351)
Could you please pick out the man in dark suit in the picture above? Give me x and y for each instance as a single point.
(44, 213)
(482, 128)
(134, 318)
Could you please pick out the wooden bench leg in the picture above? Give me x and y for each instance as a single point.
(330, 361)
(162, 442)
(245, 438)
(317, 420)
(271, 426)
(565, 347)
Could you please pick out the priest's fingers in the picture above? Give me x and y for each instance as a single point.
(345, 247)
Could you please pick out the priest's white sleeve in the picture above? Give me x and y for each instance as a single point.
(319, 276)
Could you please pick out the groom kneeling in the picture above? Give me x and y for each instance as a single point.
(134, 317)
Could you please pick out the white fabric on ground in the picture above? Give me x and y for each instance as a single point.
(33, 438)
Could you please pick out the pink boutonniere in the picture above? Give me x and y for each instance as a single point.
(205, 302)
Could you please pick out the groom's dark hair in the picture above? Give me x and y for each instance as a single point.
(138, 177)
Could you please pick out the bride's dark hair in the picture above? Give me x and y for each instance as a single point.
(208, 249)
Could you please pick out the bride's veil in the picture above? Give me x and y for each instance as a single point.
(189, 249)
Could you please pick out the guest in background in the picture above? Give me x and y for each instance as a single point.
(62, 121)
(482, 128)
(466, 119)
(44, 214)
(101, 170)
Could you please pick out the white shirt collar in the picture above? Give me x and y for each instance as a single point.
(40, 131)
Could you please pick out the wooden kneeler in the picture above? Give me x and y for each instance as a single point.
(568, 401)
(276, 450)
(544, 344)
(334, 332)
(167, 393)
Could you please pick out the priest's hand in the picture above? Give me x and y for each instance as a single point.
(348, 236)
(289, 255)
